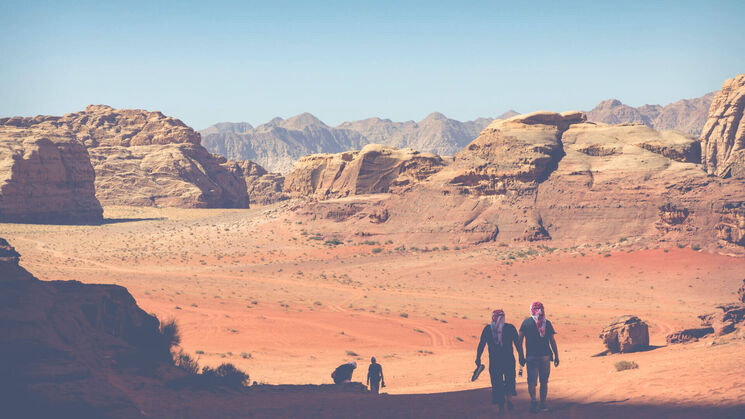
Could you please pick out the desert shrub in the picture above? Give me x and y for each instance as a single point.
(170, 334)
(333, 242)
(352, 353)
(626, 365)
(377, 250)
(225, 376)
(186, 362)
(695, 247)
(404, 315)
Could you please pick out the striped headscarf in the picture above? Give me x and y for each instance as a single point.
(539, 315)
(497, 324)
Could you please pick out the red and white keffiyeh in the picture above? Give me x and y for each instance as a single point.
(539, 315)
(497, 325)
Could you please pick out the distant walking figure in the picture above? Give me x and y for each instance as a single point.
(375, 376)
(540, 349)
(500, 337)
(343, 373)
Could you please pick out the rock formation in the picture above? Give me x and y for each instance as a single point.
(45, 177)
(687, 116)
(723, 136)
(741, 292)
(263, 187)
(277, 144)
(374, 169)
(67, 348)
(625, 334)
(145, 158)
(689, 335)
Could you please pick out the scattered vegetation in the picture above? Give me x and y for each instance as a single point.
(352, 353)
(626, 365)
(377, 250)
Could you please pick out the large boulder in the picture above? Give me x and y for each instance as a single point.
(723, 136)
(625, 334)
(45, 177)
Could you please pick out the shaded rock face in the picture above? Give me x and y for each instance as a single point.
(45, 177)
(726, 319)
(8, 254)
(625, 334)
(741, 292)
(263, 188)
(687, 116)
(68, 348)
(689, 335)
(374, 169)
(145, 158)
(723, 136)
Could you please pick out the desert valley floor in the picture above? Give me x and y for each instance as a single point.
(288, 303)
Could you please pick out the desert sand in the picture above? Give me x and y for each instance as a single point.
(257, 288)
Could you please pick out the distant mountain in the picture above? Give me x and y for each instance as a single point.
(687, 115)
(278, 143)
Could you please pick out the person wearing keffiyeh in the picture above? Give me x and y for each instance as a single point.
(540, 348)
(500, 337)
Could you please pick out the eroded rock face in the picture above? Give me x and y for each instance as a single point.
(626, 334)
(689, 335)
(145, 158)
(723, 136)
(731, 226)
(8, 254)
(45, 177)
(374, 169)
(741, 292)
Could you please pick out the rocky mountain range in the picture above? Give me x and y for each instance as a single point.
(686, 115)
(277, 144)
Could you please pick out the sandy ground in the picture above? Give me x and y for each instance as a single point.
(257, 289)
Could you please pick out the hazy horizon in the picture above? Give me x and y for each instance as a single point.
(346, 61)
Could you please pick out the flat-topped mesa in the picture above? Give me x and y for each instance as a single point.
(512, 154)
(374, 169)
(723, 136)
(45, 177)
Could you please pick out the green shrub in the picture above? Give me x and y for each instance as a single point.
(404, 315)
(695, 247)
(377, 250)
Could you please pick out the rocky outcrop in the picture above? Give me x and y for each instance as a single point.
(731, 226)
(723, 136)
(726, 319)
(69, 349)
(145, 158)
(741, 292)
(45, 177)
(374, 169)
(7, 253)
(263, 188)
(689, 335)
(513, 154)
(625, 334)
(277, 144)
(687, 116)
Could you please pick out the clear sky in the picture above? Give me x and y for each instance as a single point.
(212, 61)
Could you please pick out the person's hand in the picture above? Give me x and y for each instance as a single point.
(383, 384)
(556, 362)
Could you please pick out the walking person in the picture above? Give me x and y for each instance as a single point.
(375, 376)
(540, 349)
(500, 337)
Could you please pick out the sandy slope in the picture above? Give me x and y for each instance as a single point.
(250, 287)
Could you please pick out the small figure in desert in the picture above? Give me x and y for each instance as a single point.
(500, 337)
(540, 348)
(375, 376)
(343, 373)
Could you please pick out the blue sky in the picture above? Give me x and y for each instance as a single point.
(206, 62)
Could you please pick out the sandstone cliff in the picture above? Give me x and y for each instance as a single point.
(723, 136)
(145, 158)
(374, 169)
(263, 187)
(687, 115)
(45, 177)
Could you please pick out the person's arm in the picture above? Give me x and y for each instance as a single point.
(555, 349)
(520, 339)
(382, 379)
(518, 347)
(480, 349)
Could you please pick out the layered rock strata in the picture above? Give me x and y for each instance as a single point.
(723, 136)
